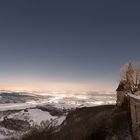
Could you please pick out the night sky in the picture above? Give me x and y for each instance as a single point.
(67, 44)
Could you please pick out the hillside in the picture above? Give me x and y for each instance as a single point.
(98, 123)
(88, 123)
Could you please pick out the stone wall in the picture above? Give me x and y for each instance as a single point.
(134, 102)
(120, 97)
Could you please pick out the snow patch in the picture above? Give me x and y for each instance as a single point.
(35, 116)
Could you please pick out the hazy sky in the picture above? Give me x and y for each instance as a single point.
(79, 44)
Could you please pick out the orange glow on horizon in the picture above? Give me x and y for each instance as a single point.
(54, 86)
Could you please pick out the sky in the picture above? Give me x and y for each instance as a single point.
(67, 44)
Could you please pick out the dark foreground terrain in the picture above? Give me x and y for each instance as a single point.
(88, 123)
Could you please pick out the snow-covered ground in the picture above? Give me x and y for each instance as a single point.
(35, 116)
(32, 116)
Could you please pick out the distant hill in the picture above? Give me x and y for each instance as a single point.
(15, 97)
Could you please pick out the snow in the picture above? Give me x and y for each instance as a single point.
(134, 96)
(15, 106)
(36, 116)
(5, 133)
(61, 119)
(2, 137)
(33, 116)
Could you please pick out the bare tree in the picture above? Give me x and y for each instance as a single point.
(130, 73)
(137, 74)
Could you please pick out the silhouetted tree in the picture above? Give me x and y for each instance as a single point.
(131, 75)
